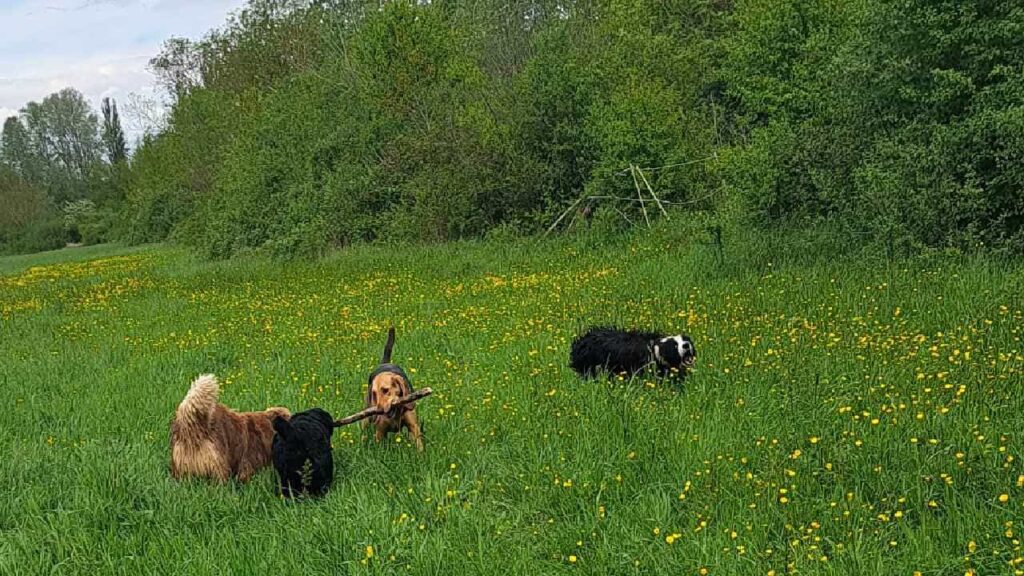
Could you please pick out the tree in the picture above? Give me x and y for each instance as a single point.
(144, 115)
(16, 151)
(113, 135)
(64, 134)
(178, 67)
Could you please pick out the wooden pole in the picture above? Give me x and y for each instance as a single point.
(653, 195)
(376, 410)
(639, 194)
(574, 204)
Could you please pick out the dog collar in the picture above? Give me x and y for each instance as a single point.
(392, 369)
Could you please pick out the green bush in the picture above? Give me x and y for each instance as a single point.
(23, 204)
(298, 127)
(27, 219)
(909, 133)
(99, 227)
(39, 236)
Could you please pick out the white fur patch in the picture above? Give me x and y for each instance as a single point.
(201, 460)
(679, 344)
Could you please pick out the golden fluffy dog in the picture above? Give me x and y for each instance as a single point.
(211, 440)
(387, 384)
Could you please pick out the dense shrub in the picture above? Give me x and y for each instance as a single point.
(903, 119)
(39, 236)
(299, 126)
(27, 218)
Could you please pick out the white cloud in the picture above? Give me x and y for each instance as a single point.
(100, 47)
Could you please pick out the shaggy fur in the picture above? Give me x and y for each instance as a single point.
(630, 352)
(211, 440)
(387, 384)
(302, 453)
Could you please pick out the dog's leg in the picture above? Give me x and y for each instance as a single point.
(413, 424)
(380, 431)
(222, 473)
(245, 472)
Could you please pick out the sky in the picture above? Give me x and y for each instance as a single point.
(100, 47)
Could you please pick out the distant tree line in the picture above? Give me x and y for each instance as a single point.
(302, 125)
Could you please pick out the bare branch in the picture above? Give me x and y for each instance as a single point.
(377, 410)
(639, 194)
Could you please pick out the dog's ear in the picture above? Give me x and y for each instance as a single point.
(371, 396)
(667, 352)
(282, 427)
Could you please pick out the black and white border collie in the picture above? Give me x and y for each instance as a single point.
(630, 352)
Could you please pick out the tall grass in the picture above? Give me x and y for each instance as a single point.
(851, 415)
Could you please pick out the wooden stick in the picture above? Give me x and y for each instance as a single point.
(639, 194)
(572, 220)
(375, 410)
(620, 198)
(653, 195)
(574, 204)
(667, 166)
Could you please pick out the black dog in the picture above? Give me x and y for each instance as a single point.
(630, 351)
(302, 452)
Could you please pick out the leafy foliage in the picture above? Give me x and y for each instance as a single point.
(113, 135)
(903, 119)
(305, 124)
(415, 122)
(25, 206)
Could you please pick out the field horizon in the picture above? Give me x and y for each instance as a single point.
(847, 414)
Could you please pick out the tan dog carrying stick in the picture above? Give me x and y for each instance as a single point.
(387, 385)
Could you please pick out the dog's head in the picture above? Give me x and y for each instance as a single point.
(304, 429)
(675, 352)
(385, 389)
(278, 412)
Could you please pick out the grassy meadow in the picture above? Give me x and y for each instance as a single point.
(847, 415)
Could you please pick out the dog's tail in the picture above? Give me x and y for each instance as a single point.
(200, 401)
(388, 346)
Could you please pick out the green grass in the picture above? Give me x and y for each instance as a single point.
(848, 415)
